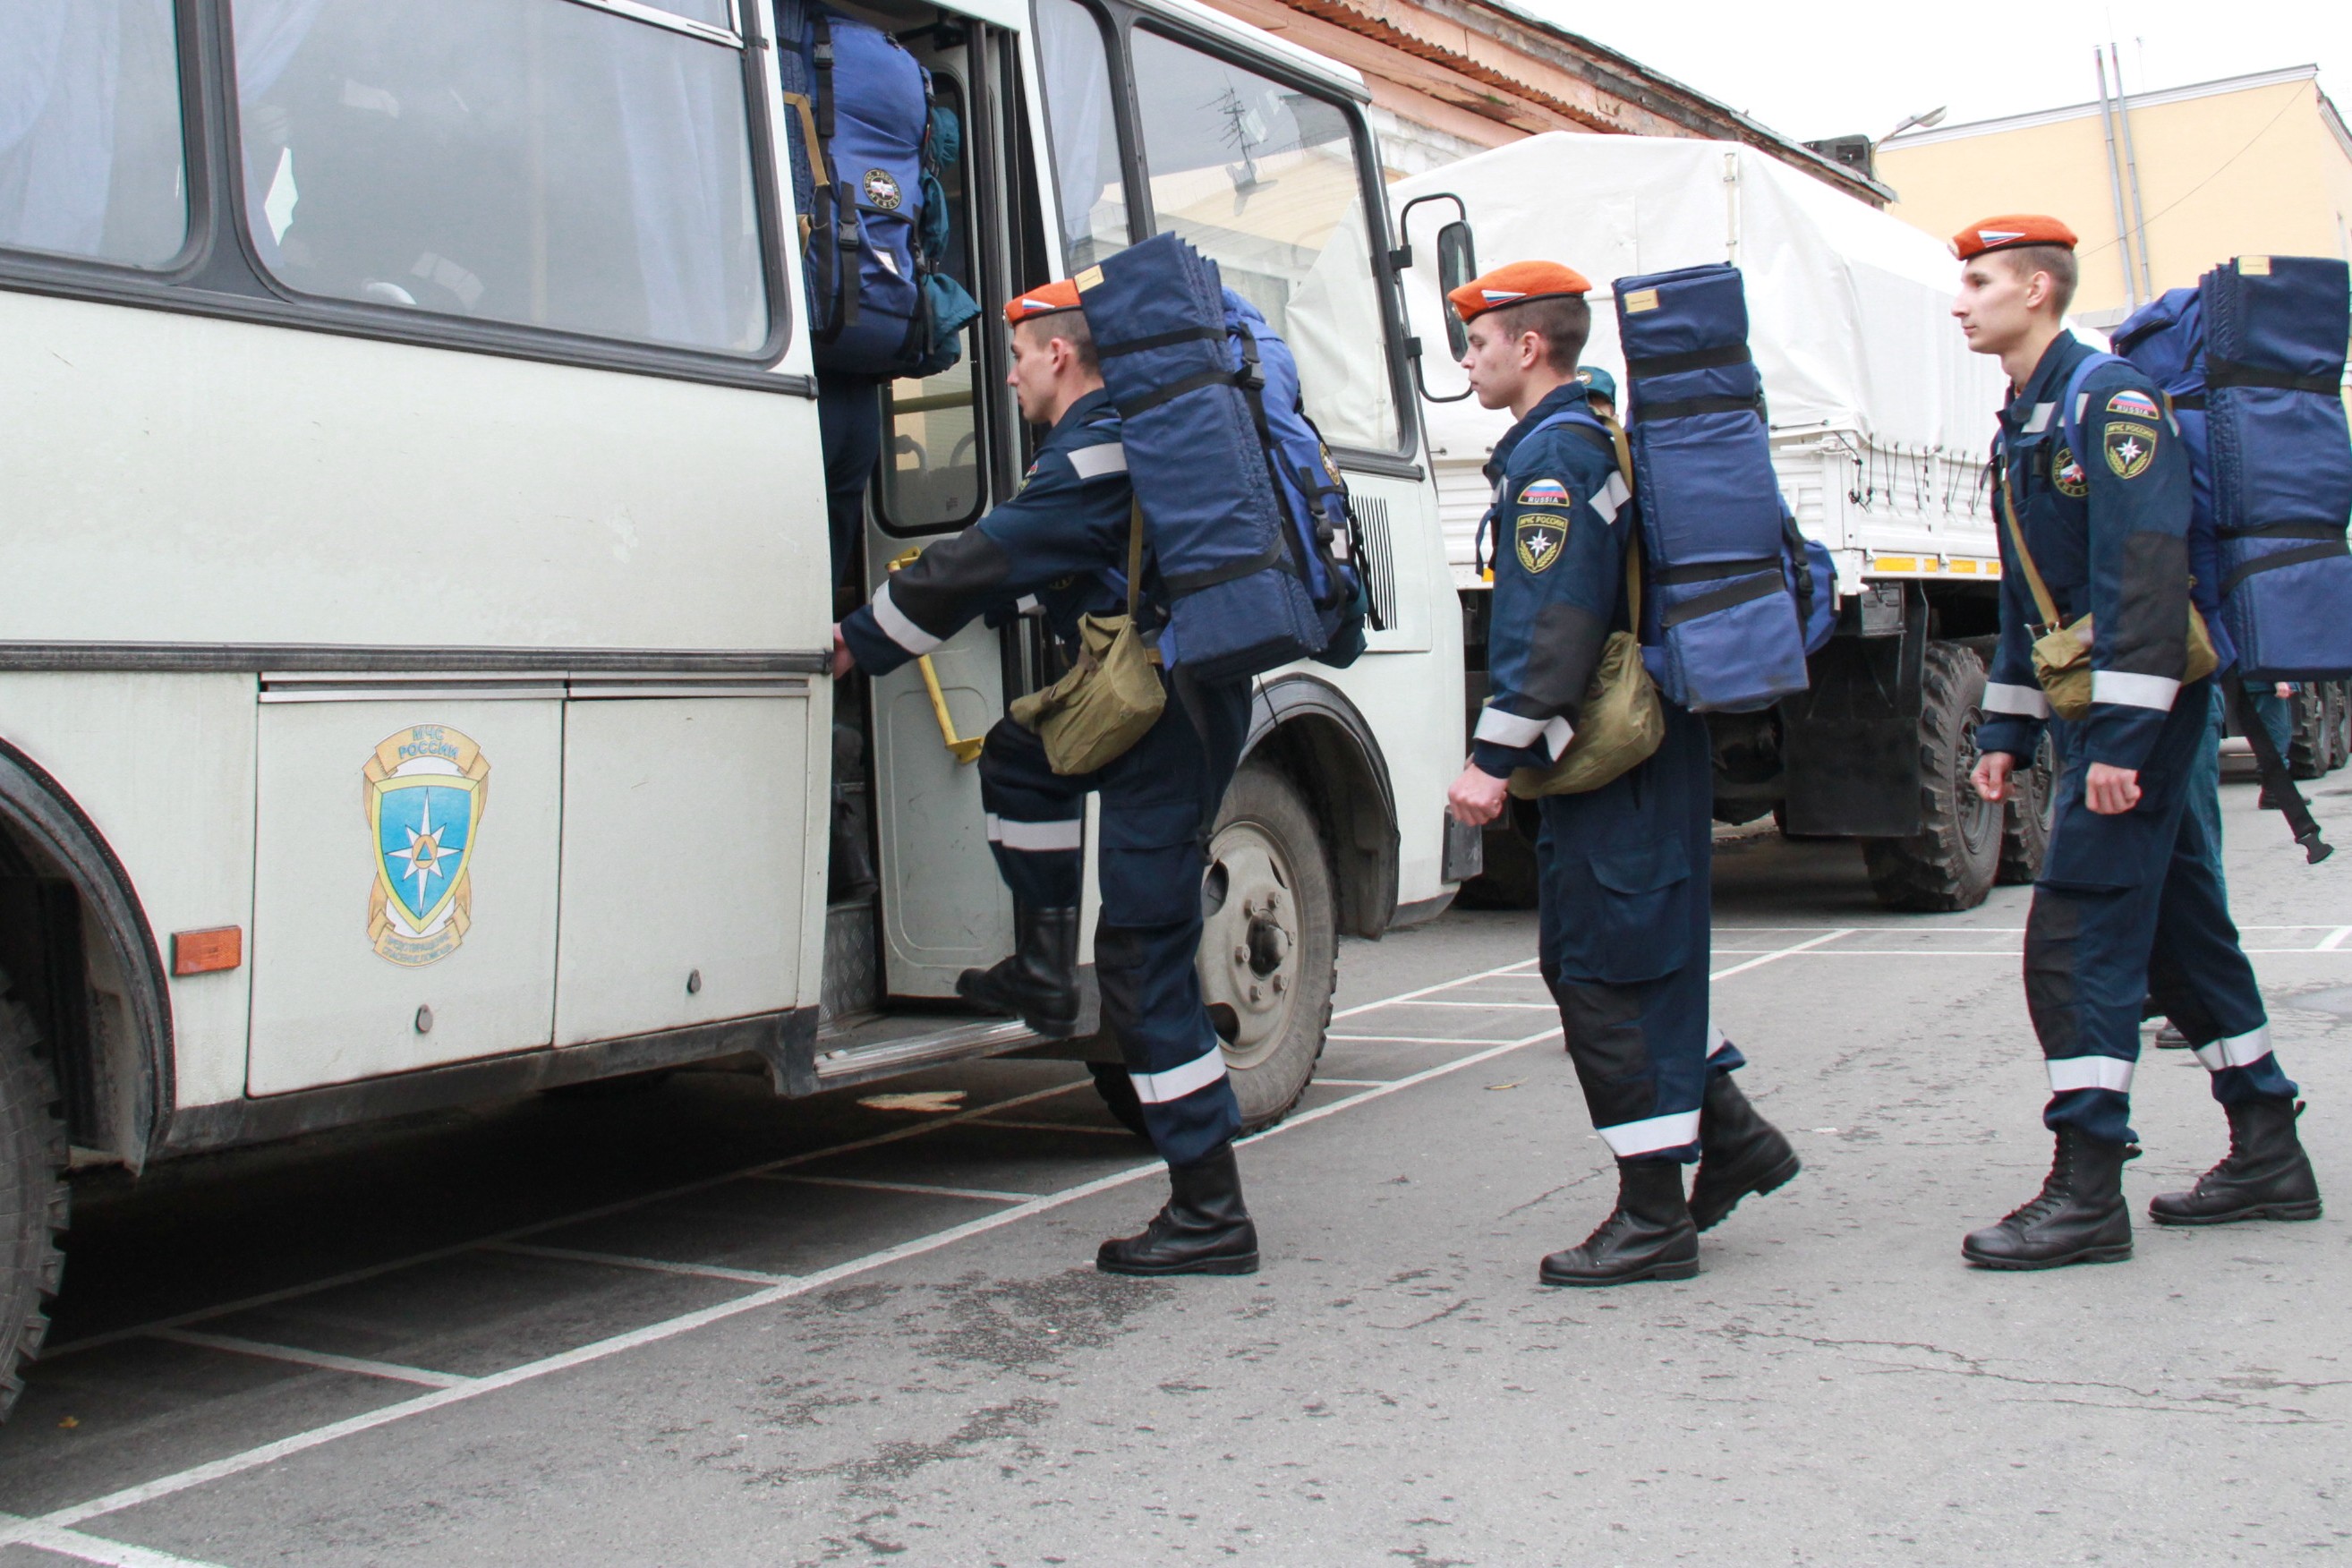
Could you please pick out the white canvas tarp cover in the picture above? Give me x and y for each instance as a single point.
(1849, 310)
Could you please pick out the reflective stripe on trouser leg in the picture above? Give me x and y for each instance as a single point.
(1151, 1002)
(2083, 988)
(1722, 1055)
(2198, 973)
(1035, 818)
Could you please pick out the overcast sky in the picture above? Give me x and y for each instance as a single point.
(1863, 66)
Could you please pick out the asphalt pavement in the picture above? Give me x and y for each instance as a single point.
(692, 1324)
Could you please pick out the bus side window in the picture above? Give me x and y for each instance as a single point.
(931, 470)
(536, 161)
(92, 162)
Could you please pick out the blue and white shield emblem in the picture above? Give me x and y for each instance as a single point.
(427, 787)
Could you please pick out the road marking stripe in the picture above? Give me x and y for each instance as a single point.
(1352, 1082)
(651, 1265)
(93, 1548)
(655, 1333)
(1758, 962)
(1404, 1040)
(375, 1270)
(2334, 940)
(981, 1194)
(324, 1360)
(1509, 1006)
(1055, 1127)
(1441, 985)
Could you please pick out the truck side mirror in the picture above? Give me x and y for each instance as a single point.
(1457, 263)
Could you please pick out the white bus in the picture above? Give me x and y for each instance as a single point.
(414, 575)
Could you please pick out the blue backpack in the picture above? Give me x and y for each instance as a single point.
(1248, 517)
(2252, 363)
(873, 224)
(1738, 595)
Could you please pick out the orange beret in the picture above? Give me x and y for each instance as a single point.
(1044, 301)
(2014, 228)
(1515, 284)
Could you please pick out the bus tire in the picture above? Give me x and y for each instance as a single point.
(1949, 864)
(33, 1193)
(2306, 744)
(2026, 820)
(1269, 944)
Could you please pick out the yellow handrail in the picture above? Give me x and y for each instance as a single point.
(963, 750)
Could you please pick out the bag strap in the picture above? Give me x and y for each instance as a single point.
(1134, 552)
(1624, 455)
(2042, 599)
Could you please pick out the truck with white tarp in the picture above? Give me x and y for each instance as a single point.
(1881, 422)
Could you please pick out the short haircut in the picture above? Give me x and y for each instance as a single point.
(2058, 260)
(1564, 321)
(1072, 328)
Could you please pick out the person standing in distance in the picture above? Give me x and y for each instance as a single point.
(1623, 870)
(1061, 542)
(2129, 902)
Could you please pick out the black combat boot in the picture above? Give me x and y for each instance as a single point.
(1204, 1228)
(2078, 1217)
(2265, 1174)
(1648, 1236)
(1739, 1153)
(1039, 983)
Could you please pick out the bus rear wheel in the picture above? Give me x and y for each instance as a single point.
(33, 1193)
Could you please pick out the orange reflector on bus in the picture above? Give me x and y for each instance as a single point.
(203, 952)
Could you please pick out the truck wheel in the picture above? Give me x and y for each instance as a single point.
(1269, 951)
(2337, 706)
(33, 1193)
(2026, 820)
(1951, 862)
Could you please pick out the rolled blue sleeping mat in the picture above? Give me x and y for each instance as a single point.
(1719, 606)
(2275, 329)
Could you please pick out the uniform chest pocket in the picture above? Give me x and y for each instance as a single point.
(1627, 916)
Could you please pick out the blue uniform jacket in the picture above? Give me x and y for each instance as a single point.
(1061, 541)
(1560, 524)
(2109, 527)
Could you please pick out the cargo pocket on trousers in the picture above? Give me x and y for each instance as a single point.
(1633, 922)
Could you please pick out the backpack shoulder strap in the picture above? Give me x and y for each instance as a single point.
(2070, 404)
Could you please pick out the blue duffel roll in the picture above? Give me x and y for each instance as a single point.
(2275, 329)
(1234, 601)
(1722, 630)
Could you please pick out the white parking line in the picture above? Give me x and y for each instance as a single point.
(1442, 985)
(1442, 1002)
(1758, 962)
(649, 1265)
(93, 1548)
(1055, 1127)
(64, 1519)
(321, 1359)
(2334, 940)
(981, 1194)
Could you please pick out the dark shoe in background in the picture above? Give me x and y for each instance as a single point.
(1740, 1154)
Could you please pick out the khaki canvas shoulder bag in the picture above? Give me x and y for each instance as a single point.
(1111, 697)
(2061, 655)
(1623, 724)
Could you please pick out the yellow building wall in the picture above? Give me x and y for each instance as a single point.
(2249, 173)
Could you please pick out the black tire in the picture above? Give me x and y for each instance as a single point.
(2338, 707)
(1270, 947)
(33, 1193)
(2027, 818)
(1951, 862)
(2306, 744)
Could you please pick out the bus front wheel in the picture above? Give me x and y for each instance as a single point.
(33, 1193)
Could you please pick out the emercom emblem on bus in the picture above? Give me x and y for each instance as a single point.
(427, 787)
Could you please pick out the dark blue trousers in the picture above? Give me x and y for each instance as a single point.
(2133, 906)
(1159, 802)
(1624, 911)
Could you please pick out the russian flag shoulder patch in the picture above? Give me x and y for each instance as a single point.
(2138, 405)
(1544, 492)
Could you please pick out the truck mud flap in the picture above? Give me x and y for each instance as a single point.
(1851, 741)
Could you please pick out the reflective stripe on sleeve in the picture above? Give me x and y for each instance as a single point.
(1094, 462)
(2236, 1050)
(1037, 837)
(2026, 701)
(1160, 1088)
(1613, 496)
(897, 627)
(1628, 1139)
(2089, 1073)
(1511, 730)
(2134, 690)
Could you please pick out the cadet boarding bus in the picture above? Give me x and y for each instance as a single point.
(412, 672)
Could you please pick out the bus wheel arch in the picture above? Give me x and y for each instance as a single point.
(76, 944)
(1308, 731)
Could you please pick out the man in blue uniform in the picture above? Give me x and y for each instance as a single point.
(1061, 545)
(2128, 903)
(1623, 870)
